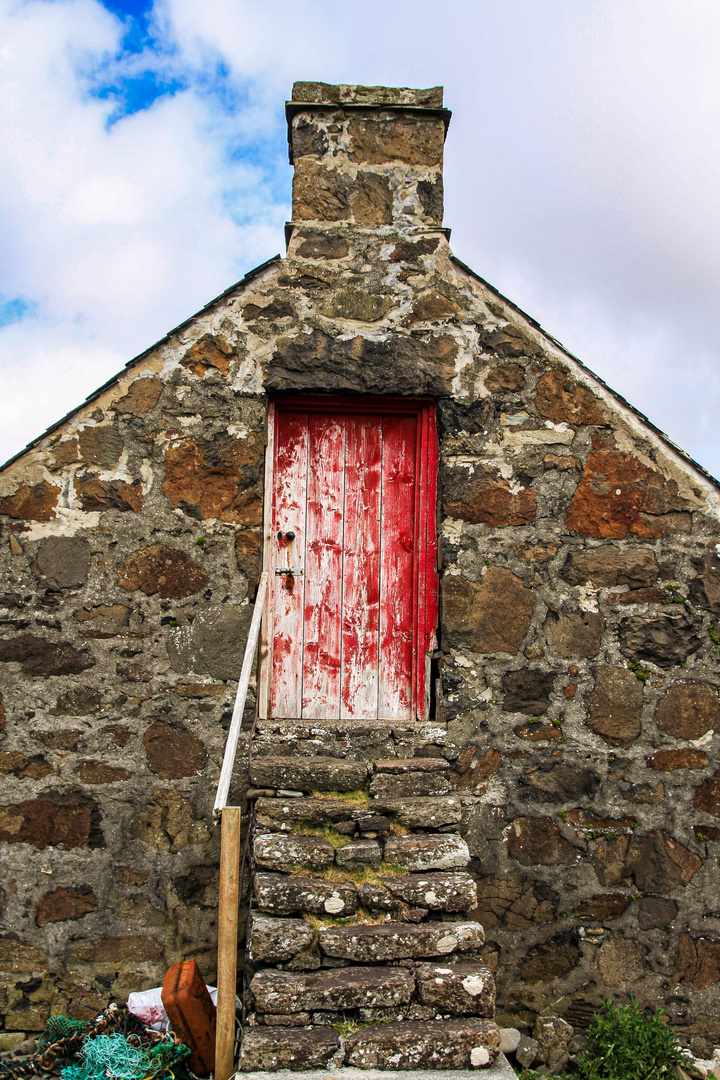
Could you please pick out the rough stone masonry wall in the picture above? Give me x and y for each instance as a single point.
(578, 673)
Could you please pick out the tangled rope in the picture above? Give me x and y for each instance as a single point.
(119, 1058)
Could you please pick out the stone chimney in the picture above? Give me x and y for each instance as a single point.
(369, 155)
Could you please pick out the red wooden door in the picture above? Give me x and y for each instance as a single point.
(352, 552)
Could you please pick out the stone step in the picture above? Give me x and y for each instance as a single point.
(420, 813)
(460, 989)
(436, 892)
(308, 773)
(293, 1048)
(407, 785)
(280, 895)
(277, 940)
(501, 1069)
(333, 989)
(398, 941)
(443, 852)
(407, 765)
(444, 1044)
(275, 851)
(281, 813)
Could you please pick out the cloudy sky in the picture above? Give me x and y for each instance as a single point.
(143, 169)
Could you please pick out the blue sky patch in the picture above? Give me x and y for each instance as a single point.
(15, 310)
(136, 16)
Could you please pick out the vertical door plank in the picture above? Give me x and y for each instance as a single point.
(323, 567)
(288, 599)
(396, 567)
(361, 574)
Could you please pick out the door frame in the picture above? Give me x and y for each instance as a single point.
(425, 567)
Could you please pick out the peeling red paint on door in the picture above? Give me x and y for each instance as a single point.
(354, 559)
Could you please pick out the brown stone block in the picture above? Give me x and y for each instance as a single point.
(113, 950)
(539, 552)
(274, 851)
(659, 863)
(560, 401)
(19, 958)
(411, 251)
(396, 941)
(163, 570)
(698, 962)
(615, 705)
(82, 701)
(665, 640)
(562, 462)
(206, 353)
(40, 657)
(17, 764)
(101, 445)
(324, 246)
(527, 690)
(173, 752)
(551, 959)
(645, 793)
(492, 615)
(31, 503)
(319, 193)
(212, 477)
(505, 377)
(514, 901)
(61, 739)
(494, 505)
(96, 494)
(168, 823)
(432, 305)
(603, 908)
(704, 590)
(116, 613)
(538, 840)
(610, 566)
(454, 891)
(336, 988)
(669, 760)
(622, 960)
(538, 732)
(707, 795)
(709, 832)
(412, 139)
(142, 395)
(588, 819)
(280, 895)
(64, 453)
(58, 822)
(619, 496)
(99, 772)
(689, 710)
(411, 765)
(65, 904)
(308, 774)
(446, 1044)
(431, 196)
(575, 633)
(62, 561)
(655, 911)
(265, 1049)
(462, 989)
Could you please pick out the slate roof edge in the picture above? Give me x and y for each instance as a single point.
(613, 393)
(251, 274)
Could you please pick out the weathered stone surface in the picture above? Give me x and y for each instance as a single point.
(423, 813)
(276, 940)
(100, 445)
(493, 504)
(335, 988)
(62, 561)
(537, 553)
(324, 195)
(603, 908)
(561, 402)
(317, 361)
(31, 503)
(492, 615)
(551, 959)
(669, 760)
(614, 706)
(514, 901)
(611, 566)
(206, 353)
(281, 814)
(473, 773)
(618, 495)
(574, 633)
(113, 950)
(527, 691)
(308, 774)
(163, 570)
(413, 140)
(432, 305)
(16, 764)
(698, 962)
(427, 852)
(560, 781)
(436, 892)
(446, 1044)
(64, 820)
(97, 494)
(664, 640)
(358, 305)
(412, 765)
(172, 751)
(215, 478)
(248, 551)
(359, 853)
(707, 795)
(100, 772)
(645, 793)
(287, 853)
(323, 246)
(369, 823)
(80, 701)
(621, 960)
(18, 957)
(287, 895)
(65, 904)
(655, 911)
(463, 989)
(140, 397)
(609, 859)
(505, 377)
(368, 944)
(538, 840)
(389, 786)
(268, 1048)
(377, 898)
(43, 658)
(212, 643)
(168, 823)
(526, 1051)
(689, 710)
(553, 1036)
(659, 863)
(704, 590)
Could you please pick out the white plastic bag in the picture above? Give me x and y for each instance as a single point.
(147, 1006)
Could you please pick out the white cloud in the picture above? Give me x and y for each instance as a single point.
(580, 174)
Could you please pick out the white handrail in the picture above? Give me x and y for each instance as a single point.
(236, 721)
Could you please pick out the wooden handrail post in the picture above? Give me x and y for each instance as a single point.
(229, 900)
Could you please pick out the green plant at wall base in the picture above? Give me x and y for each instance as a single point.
(624, 1044)
(639, 671)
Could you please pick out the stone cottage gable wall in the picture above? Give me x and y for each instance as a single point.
(577, 681)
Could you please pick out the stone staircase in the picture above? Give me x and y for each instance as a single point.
(359, 948)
